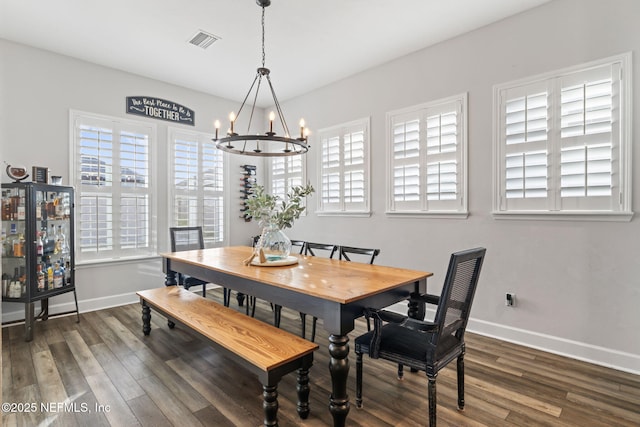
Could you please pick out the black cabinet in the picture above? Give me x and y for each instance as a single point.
(37, 247)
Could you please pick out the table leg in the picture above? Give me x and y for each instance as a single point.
(339, 368)
(146, 319)
(170, 278)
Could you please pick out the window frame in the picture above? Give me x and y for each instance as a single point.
(174, 133)
(456, 208)
(342, 208)
(620, 199)
(116, 254)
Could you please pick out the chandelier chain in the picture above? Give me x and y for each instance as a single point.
(263, 55)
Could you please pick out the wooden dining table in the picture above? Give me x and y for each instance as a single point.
(335, 291)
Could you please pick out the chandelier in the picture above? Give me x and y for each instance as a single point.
(267, 144)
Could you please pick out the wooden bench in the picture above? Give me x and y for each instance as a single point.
(264, 349)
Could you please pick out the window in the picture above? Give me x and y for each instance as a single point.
(197, 185)
(427, 147)
(111, 170)
(344, 169)
(562, 143)
(286, 172)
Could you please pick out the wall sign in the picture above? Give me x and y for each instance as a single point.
(161, 109)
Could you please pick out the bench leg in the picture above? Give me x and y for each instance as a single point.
(146, 318)
(302, 387)
(270, 405)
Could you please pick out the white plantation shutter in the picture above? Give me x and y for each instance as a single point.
(197, 176)
(562, 142)
(111, 171)
(344, 169)
(427, 167)
(285, 172)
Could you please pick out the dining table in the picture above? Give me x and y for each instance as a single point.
(336, 291)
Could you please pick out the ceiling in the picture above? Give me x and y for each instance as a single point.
(308, 44)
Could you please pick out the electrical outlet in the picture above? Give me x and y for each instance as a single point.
(510, 300)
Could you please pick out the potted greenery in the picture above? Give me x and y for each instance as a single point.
(275, 215)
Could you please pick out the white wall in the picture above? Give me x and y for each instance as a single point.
(38, 89)
(575, 282)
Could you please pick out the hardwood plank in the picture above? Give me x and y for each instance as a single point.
(147, 412)
(210, 386)
(177, 413)
(120, 377)
(81, 352)
(115, 408)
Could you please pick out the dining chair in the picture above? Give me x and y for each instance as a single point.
(424, 345)
(308, 249)
(277, 309)
(186, 239)
(348, 252)
(344, 253)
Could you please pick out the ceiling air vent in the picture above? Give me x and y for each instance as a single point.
(203, 39)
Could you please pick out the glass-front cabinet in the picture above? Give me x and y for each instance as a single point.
(37, 246)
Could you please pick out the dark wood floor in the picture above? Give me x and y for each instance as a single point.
(108, 374)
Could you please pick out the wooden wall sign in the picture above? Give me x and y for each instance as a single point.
(161, 109)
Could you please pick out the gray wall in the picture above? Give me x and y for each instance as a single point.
(575, 282)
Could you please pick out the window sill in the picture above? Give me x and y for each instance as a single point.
(362, 214)
(565, 216)
(433, 214)
(113, 261)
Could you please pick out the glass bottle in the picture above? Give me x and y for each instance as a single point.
(6, 205)
(40, 278)
(39, 244)
(57, 276)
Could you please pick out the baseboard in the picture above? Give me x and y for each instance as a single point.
(84, 306)
(597, 355)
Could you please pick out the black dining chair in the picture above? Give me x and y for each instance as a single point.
(310, 249)
(423, 345)
(345, 253)
(186, 239)
(277, 309)
(348, 252)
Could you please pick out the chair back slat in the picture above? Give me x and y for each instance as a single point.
(346, 251)
(311, 247)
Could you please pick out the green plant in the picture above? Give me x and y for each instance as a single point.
(266, 208)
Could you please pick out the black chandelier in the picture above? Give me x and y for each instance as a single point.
(267, 144)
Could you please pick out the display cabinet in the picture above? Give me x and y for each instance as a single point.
(37, 247)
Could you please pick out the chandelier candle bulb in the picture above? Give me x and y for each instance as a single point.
(216, 124)
(302, 128)
(232, 118)
(272, 117)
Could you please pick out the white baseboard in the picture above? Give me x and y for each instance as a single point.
(84, 306)
(597, 355)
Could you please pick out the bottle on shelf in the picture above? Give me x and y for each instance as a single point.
(40, 278)
(20, 214)
(18, 246)
(51, 208)
(67, 273)
(58, 276)
(15, 288)
(6, 205)
(39, 244)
